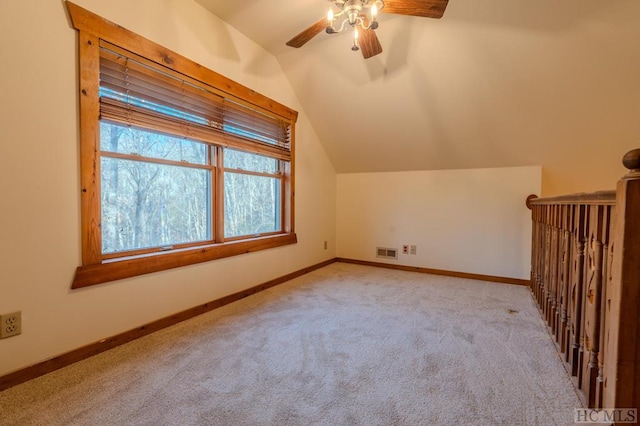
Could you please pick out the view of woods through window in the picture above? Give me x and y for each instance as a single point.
(251, 201)
(157, 190)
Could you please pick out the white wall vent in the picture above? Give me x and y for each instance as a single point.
(386, 253)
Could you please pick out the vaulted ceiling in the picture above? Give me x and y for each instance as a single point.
(493, 83)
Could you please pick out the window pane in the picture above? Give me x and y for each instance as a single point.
(250, 162)
(127, 140)
(251, 204)
(153, 205)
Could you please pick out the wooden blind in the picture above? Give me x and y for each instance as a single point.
(142, 94)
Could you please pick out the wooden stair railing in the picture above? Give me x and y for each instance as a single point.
(585, 278)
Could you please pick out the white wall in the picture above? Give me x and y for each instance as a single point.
(39, 178)
(471, 221)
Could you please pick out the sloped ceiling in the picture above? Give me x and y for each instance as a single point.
(493, 83)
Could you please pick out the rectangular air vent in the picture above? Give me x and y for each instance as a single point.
(386, 253)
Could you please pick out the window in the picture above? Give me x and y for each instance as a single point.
(252, 194)
(179, 165)
(155, 190)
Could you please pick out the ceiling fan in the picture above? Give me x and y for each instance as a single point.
(361, 16)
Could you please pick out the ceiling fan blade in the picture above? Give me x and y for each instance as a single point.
(424, 8)
(369, 44)
(308, 34)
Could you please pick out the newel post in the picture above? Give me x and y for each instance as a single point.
(622, 334)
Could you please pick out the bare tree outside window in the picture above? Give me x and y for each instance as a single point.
(251, 201)
(147, 204)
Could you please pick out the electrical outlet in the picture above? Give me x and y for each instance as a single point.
(326, 245)
(413, 250)
(405, 249)
(10, 324)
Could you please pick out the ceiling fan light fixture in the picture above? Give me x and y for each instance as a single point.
(356, 13)
(362, 15)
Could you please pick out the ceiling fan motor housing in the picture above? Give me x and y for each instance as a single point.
(353, 8)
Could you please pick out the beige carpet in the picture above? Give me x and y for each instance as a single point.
(344, 345)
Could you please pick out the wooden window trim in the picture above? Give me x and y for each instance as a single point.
(97, 268)
(88, 275)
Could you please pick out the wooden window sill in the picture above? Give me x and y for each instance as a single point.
(117, 269)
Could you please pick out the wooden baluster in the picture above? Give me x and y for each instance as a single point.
(536, 249)
(558, 274)
(609, 223)
(564, 277)
(553, 270)
(534, 225)
(576, 290)
(547, 264)
(571, 209)
(542, 258)
(570, 293)
(622, 368)
(549, 269)
(593, 292)
(583, 335)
